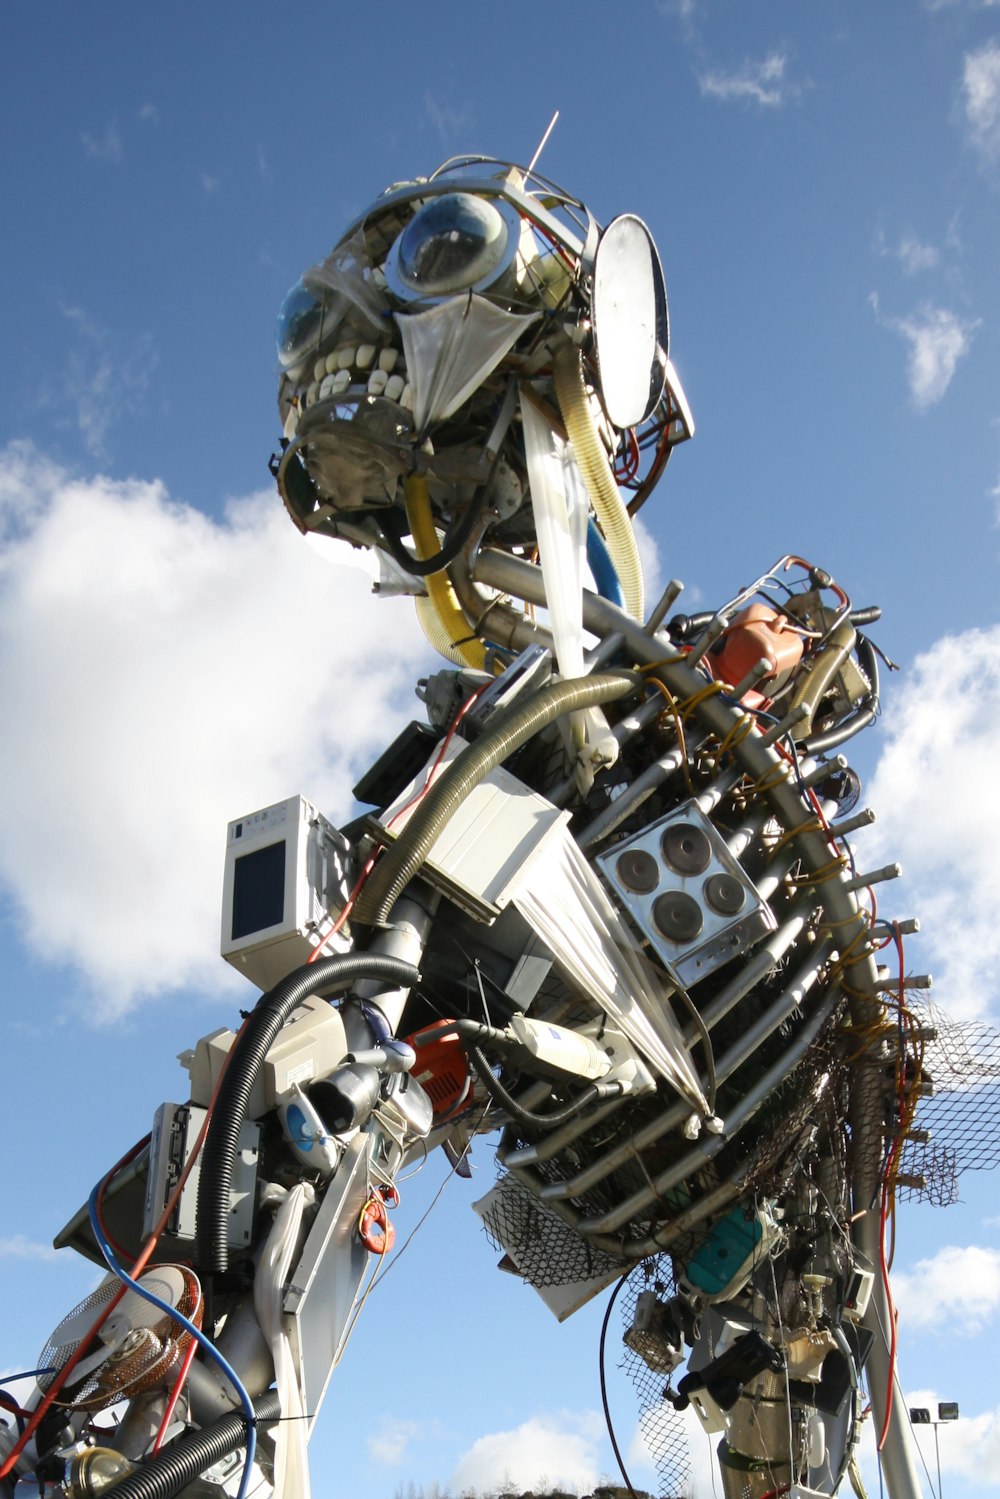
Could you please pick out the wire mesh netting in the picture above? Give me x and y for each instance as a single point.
(662, 1427)
(545, 1250)
(958, 1125)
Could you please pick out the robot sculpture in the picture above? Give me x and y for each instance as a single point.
(604, 901)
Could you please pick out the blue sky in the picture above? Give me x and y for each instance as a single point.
(823, 183)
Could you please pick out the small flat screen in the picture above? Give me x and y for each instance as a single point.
(259, 890)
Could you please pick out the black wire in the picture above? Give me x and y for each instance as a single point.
(604, 1386)
(392, 525)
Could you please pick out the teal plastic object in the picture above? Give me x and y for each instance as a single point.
(726, 1254)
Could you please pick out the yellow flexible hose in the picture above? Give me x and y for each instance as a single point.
(598, 477)
(434, 631)
(454, 624)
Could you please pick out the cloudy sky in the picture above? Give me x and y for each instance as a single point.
(823, 182)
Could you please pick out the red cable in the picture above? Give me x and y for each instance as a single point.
(8, 1403)
(129, 1156)
(54, 1388)
(370, 865)
(175, 1393)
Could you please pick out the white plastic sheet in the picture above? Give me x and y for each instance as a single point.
(563, 900)
(561, 508)
(291, 1463)
(451, 348)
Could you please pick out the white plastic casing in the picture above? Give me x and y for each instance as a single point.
(491, 836)
(557, 1048)
(309, 1045)
(285, 879)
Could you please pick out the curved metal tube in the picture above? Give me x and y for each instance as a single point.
(520, 723)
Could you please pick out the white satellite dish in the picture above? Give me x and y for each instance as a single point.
(631, 328)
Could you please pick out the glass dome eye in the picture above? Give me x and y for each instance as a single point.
(452, 244)
(300, 322)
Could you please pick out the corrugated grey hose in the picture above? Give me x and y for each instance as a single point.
(176, 1466)
(245, 1062)
(521, 722)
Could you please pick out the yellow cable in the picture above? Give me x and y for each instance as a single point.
(439, 589)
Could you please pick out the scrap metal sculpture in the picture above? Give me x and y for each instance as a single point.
(603, 900)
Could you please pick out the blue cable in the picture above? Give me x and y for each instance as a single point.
(601, 566)
(196, 1332)
(12, 1379)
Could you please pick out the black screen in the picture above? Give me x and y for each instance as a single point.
(259, 890)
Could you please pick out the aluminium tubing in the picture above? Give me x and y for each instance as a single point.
(551, 1144)
(865, 713)
(639, 1249)
(400, 863)
(898, 1454)
(174, 1467)
(245, 1061)
(590, 454)
(725, 1066)
(735, 1121)
(634, 795)
(514, 576)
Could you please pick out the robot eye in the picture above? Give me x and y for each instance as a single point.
(300, 322)
(452, 244)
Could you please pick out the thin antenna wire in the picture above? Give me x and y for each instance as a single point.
(541, 144)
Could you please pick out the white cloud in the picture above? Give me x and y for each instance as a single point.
(209, 184)
(161, 673)
(916, 256)
(149, 114)
(981, 97)
(448, 123)
(390, 1442)
(937, 340)
(958, 1287)
(969, 1446)
(560, 1450)
(105, 379)
(938, 816)
(762, 83)
(681, 10)
(649, 557)
(106, 147)
(17, 1247)
(912, 254)
(691, 1470)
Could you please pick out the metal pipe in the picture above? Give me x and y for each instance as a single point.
(695, 1159)
(764, 961)
(638, 1249)
(641, 788)
(666, 601)
(404, 938)
(598, 1170)
(556, 1139)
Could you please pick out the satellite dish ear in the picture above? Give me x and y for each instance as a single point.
(631, 325)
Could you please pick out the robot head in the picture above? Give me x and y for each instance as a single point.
(399, 350)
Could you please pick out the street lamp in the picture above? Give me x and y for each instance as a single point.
(921, 1416)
